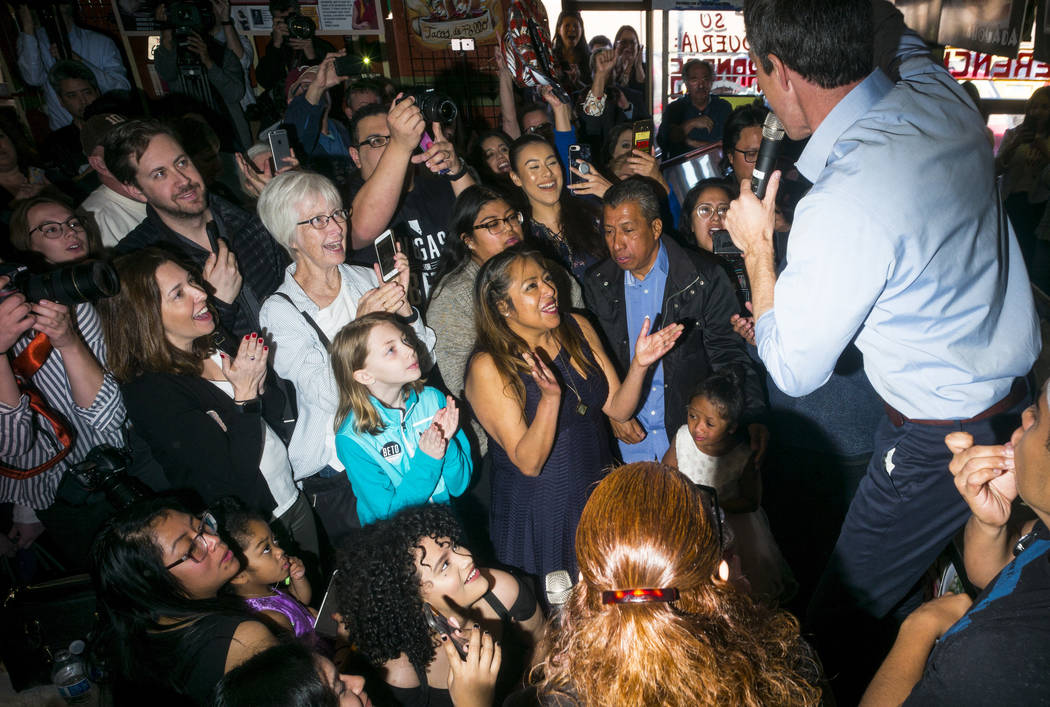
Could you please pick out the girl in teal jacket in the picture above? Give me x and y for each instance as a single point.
(397, 438)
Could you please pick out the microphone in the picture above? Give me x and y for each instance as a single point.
(558, 586)
(772, 136)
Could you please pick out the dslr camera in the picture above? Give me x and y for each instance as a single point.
(300, 26)
(87, 281)
(186, 17)
(105, 470)
(436, 107)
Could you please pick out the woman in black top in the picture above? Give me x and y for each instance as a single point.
(395, 566)
(210, 409)
(157, 569)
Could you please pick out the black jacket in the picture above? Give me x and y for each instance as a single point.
(260, 259)
(698, 295)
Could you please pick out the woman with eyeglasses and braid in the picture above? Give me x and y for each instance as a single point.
(654, 618)
(157, 570)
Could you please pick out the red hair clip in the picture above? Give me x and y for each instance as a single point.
(639, 596)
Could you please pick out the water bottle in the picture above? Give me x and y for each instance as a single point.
(70, 675)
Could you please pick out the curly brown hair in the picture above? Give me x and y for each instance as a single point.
(645, 525)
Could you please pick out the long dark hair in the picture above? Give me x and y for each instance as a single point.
(581, 52)
(579, 217)
(135, 592)
(455, 254)
(378, 586)
(494, 335)
(133, 319)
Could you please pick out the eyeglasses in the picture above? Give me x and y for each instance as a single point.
(496, 226)
(199, 548)
(50, 229)
(749, 155)
(377, 141)
(707, 211)
(321, 221)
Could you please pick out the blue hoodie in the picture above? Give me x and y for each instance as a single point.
(387, 470)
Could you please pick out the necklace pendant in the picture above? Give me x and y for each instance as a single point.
(581, 409)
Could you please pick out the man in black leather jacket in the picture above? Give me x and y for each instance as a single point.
(648, 275)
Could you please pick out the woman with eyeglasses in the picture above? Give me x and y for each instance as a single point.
(655, 619)
(320, 294)
(208, 406)
(157, 570)
(67, 343)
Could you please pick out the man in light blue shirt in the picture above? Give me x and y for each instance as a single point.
(902, 243)
(647, 275)
(96, 51)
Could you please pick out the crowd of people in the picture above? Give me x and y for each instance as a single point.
(354, 470)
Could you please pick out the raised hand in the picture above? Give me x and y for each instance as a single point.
(744, 326)
(545, 380)
(650, 348)
(593, 183)
(16, 317)
(984, 476)
(221, 272)
(405, 122)
(604, 63)
(447, 418)
(55, 320)
(247, 371)
(433, 442)
(388, 297)
(472, 680)
(441, 155)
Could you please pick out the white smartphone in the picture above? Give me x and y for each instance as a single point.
(385, 253)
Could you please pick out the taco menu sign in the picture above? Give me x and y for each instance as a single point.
(434, 23)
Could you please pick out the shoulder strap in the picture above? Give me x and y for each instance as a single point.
(309, 320)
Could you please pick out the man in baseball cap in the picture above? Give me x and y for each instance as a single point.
(113, 208)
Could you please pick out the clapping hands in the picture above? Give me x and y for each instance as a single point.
(434, 440)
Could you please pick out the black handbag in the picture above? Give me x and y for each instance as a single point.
(38, 620)
(334, 502)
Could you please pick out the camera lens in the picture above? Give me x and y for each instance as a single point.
(73, 284)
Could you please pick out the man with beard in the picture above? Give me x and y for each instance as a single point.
(696, 118)
(236, 255)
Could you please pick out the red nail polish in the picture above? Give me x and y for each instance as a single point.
(246, 337)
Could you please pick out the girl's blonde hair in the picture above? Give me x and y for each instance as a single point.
(349, 352)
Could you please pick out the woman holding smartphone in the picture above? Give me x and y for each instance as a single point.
(320, 294)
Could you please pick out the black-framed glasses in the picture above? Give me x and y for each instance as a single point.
(52, 229)
(496, 226)
(321, 221)
(199, 547)
(749, 155)
(376, 141)
(707, 211)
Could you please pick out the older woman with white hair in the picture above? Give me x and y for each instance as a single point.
(321, 294)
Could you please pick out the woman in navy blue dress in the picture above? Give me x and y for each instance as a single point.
(541, 385)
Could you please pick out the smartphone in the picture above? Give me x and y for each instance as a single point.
(280, 148)
(580, 158)
(643, 135)
(385, 252)
(324, 624)
(251, 163)
(440, 625)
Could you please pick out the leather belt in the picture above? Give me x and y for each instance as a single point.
(1016, 394)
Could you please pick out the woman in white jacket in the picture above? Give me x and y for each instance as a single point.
(320, 294)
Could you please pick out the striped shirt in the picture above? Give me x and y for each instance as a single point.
(27, 440)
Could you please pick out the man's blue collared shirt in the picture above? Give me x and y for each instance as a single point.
(903, 243)
(644, 298)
